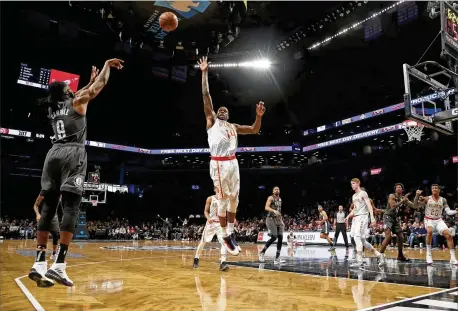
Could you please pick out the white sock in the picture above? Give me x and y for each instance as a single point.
(452, 252)
(223, 232)
(429, 249)
(359, 257)
(230, 228)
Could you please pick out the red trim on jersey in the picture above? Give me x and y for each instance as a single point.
(223, 158)
(425, 217)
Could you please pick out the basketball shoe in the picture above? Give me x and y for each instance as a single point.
(57, 273)
(37, 274)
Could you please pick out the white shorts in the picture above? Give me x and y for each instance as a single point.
(359, 226)
(225, 175)
(437, 225)
(210, 230)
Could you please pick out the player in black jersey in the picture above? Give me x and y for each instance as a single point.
(274, 224)
(64, 170)
(395, 201)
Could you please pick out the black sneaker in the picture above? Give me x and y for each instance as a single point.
(196, 263)
(224, 266)
(229, 245)
(233, 238)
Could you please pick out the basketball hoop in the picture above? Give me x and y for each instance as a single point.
(413, 130)
(94, 202)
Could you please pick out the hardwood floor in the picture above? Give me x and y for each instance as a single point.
(159, 276)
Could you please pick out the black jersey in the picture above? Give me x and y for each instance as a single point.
(68, 125)
(276, 204)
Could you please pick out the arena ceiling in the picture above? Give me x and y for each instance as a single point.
(348, 76)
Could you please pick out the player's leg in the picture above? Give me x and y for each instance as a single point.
(223, 265)
(234, 187)
(201, 245)
(443, 228)
(272, 232)
(358, 234)
(280, 237)
(40, 267)
(55, 235)
(429, 228)
(71, 203)
(324, 234)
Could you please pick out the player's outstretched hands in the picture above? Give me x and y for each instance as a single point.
(203, 64)
(115, 63)
(418, 192)
(94, 74)
(261, 108)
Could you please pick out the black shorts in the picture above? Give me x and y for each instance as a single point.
(64, 168)
(54, 225)
(326, 228)
(392, 224)
(274, 225)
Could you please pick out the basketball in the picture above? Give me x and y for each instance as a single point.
(168, 21)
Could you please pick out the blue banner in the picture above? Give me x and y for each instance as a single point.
(187, 9)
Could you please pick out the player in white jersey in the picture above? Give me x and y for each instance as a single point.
(362, 207)
(224, 168)
(434, 206)
(210, 230)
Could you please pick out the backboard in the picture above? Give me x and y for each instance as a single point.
(431, 95)
(93, 191)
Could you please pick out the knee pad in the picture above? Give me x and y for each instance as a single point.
(232, 206)
(71, 206)
(222, 206)
(56, 237)
(50, 201)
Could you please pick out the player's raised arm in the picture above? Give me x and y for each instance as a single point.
(92, 79)
(255, 127)
(208, 106)
(419, 200)
(80, 103)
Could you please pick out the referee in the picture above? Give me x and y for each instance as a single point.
(341, 225)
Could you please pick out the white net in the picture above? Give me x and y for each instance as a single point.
(94, 202)
(413, 130)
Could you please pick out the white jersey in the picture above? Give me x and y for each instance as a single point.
(213, 208)
(222, 138)
(360, 207)
(434, 209)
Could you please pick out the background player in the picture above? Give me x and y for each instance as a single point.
(391, 225)
(434, 206)
(291, 243)
(54, 225)
(362, 207)
(324, 234)
(212, 227)
(224, 168)
(274, 224)
(64, 170)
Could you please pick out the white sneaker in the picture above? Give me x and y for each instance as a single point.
(53, 257)
(57, 273)
(382, 260)
(37, 274)
(261, 257)
(279, 261)
(357, 264)
(429, 258)
(453, 261)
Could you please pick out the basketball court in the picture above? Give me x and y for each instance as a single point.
(159, 276)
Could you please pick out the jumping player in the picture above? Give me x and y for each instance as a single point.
(395, 201)
(54, 225)
(324, 234)
(362, 207)
(224, 167)
(64, 170)
(274, 224)
(211, 228)
(434, 206)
